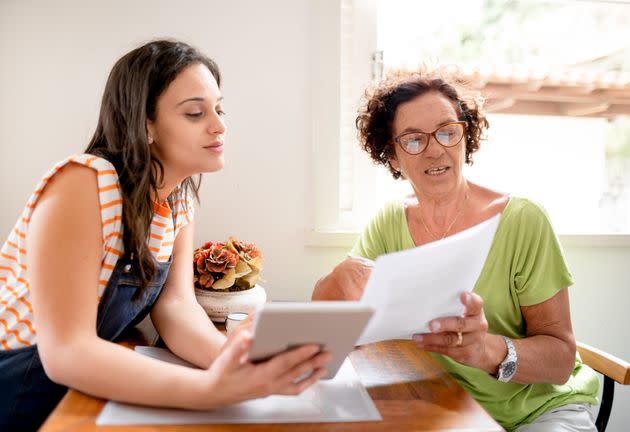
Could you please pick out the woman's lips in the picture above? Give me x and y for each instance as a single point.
(437, 171)
(216, 147)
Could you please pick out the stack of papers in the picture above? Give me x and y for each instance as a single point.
(410, 288)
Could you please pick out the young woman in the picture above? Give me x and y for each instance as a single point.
(107, 237)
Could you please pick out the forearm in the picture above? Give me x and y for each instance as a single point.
(107, 370)
(327, 288)
(187, 331)
(541, 358)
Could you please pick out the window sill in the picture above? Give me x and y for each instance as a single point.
(595, 240)
(346, 238)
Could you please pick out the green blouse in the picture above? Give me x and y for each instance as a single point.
(525, 266)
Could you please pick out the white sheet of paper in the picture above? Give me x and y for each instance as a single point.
(410, 288)
(342, 399)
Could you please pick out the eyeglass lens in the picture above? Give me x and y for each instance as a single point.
(448, 135)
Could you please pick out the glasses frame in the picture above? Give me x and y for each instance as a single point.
(431, 134)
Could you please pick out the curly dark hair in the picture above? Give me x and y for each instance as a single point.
(376, 115)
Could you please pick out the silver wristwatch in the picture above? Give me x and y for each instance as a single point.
(508, 366)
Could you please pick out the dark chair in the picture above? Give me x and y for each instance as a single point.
(613, 369)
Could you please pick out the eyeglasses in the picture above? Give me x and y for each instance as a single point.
(447, 135)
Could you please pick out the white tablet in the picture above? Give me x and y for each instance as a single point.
(335, 326)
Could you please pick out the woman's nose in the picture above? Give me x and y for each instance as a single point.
(434, 148)
(217, 125)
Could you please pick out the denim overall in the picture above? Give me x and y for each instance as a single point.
(27, 395)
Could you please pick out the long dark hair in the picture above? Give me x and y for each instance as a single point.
(129, 100)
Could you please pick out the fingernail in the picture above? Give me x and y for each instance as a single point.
(417, 338)
(467, 296)
(435, 326)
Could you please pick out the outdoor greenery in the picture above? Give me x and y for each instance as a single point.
(588, 36)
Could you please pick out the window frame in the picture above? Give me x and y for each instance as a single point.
(329, 44)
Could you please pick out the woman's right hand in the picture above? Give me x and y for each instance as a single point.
(233, 378)
(346, 281)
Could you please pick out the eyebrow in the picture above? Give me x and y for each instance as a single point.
(412, 129)
(197, 99)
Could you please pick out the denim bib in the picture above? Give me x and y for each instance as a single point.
(27, 395)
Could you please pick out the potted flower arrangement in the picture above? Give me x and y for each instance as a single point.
(226, 276)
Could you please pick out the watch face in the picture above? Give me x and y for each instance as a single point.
(508, 369)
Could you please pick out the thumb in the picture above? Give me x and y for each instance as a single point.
(236, 349)
(473, 303)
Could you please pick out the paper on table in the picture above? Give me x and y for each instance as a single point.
(408, 289)
(342, 399)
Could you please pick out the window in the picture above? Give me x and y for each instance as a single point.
(557, 74)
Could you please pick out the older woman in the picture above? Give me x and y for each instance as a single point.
(513, 349)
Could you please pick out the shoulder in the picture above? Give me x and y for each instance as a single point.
(69, 202)
(488, 201)
(527, 221)
(95, 163)
(73, 178)
(73, 184)
(524, 208)
(83, 173)
(80, 167)
(387, 216)
(387, 221)
(393, 210)
(80, 182)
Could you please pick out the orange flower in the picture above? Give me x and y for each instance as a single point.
(220, 259)
(246, 250)
(231, 266)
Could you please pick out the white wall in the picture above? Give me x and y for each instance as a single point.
(55, 57)
(54, 60)
(599, 308)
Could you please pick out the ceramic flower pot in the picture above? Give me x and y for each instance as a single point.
(219, 304)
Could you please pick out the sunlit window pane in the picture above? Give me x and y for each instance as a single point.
(573, 159)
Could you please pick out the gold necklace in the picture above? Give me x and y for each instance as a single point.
(436, 237)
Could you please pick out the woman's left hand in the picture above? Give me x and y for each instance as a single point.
(462, 338)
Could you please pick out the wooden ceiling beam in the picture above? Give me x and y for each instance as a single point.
(558, 109)
(495, 105)
(547, 94)
(530, 108)
(587, 110)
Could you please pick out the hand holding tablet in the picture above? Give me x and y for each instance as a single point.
(335, 326)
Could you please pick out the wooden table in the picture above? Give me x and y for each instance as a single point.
(411, 391)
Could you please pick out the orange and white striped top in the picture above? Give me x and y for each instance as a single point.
(16, 311)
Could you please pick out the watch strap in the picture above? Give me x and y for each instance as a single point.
(508, 366)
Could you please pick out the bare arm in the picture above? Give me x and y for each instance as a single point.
(346, 281)
(545, 355)
(66, 221)
(178, 317)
